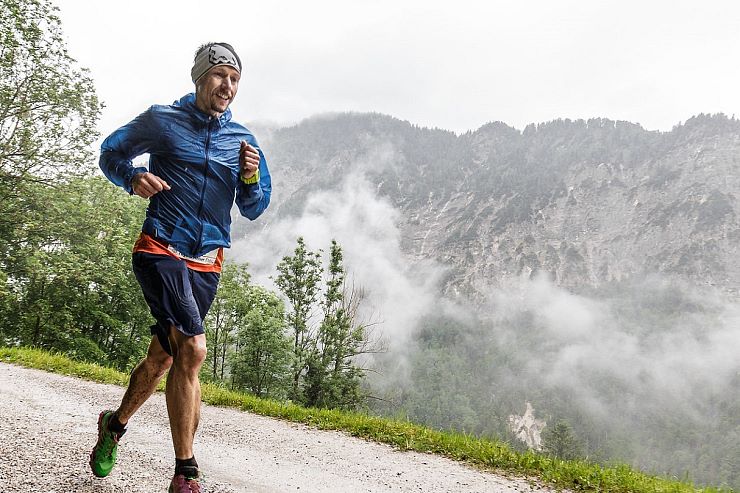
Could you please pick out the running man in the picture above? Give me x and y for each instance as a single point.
(200, 164)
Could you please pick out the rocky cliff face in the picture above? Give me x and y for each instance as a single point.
(527, 428)
(588, 202)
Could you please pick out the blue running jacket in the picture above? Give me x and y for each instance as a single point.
(198, 156)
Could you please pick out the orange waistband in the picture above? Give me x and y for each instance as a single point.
(149, 244)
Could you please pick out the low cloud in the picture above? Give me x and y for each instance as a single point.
(366, 227)
(666, 343)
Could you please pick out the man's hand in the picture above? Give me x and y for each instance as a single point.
(249, 160)
(147, 184)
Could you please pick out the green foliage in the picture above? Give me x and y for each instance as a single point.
(260, 362)
(298, 279)
(225, 316)
(64, 236)
(558, 440)
(70, 285)
(258, 346)
(489, 455)
(325, 369)
(48, 112)
(332, 379)
(245, 328)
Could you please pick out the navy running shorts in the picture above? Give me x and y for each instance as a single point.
(175, 294)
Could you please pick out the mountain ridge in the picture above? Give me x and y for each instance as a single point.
(588, 202)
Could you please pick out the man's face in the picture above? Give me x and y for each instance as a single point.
(215, 91)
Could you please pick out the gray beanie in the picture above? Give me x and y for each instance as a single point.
(215, 54)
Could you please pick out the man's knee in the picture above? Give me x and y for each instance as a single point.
(157, 358)
(191, 351)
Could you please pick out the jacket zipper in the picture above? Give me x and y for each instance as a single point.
(205, 183)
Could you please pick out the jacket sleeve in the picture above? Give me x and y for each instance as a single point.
(123, 145)
(253, 199)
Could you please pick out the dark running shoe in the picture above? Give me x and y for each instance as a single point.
(182, 484)
(103, 456)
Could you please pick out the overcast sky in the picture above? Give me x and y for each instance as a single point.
(453, 65)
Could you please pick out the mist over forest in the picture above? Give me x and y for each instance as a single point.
(586, 268)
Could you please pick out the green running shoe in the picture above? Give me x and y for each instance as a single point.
(103, 456)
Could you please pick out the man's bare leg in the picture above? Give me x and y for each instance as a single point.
(144, 380)
(183, 390)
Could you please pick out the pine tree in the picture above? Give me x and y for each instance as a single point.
(326, 371)
(298, 279)
(560, 441)
(333, 378)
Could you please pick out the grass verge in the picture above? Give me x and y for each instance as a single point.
(486, 454)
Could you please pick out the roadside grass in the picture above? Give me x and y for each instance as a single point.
(491, 455)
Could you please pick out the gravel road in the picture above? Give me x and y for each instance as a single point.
(47, 428)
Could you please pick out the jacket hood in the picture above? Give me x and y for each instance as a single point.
(188, 102)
